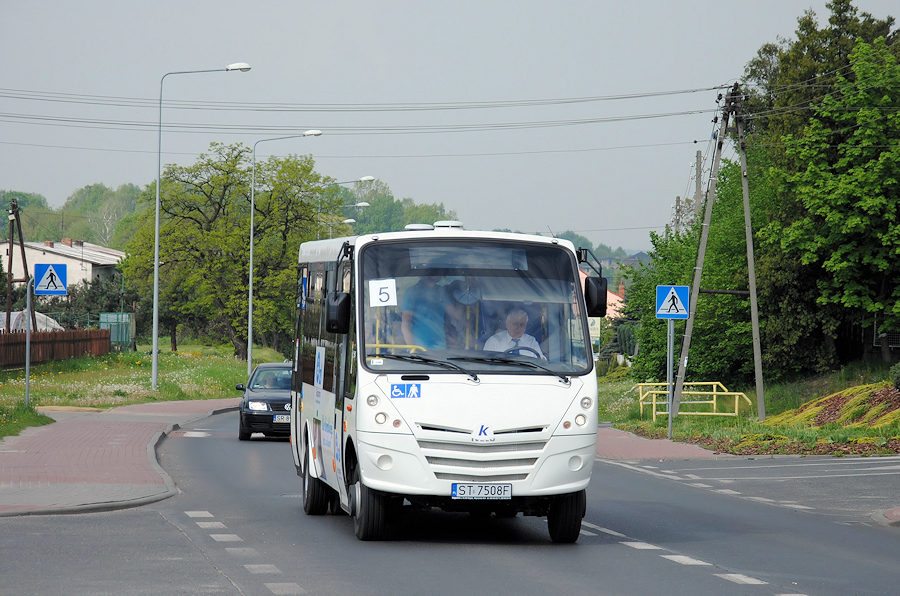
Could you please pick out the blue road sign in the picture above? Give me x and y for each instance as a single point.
(50, 280)
(672, 302)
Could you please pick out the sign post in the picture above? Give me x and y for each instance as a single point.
(671, 304)
(48, 280)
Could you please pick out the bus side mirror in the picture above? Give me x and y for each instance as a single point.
(595, 296)
(337, 312)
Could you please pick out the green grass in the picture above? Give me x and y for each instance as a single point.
(618, 404)
(15, 417)
(194, 372)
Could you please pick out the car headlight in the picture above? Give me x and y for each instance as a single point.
(258, 405)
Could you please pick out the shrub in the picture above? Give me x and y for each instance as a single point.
(895, 375)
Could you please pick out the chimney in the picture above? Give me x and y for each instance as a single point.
(621, 288)
(48, 243)
(67, 241)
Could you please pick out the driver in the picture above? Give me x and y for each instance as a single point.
(515, 336)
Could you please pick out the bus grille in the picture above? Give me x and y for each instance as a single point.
(481, 462)
(483, 447)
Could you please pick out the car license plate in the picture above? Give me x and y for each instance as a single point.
(481, 491)
(282, 418)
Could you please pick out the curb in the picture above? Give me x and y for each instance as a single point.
(152, 445)
(890, 517)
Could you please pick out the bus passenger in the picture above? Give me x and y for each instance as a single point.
(423, 310)
(515, 336)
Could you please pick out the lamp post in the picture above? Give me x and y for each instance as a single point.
(357, 205)
(154, 373)
(308, 133)
(331, 225)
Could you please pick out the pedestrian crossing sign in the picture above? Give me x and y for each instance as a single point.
(672, 302)
(50, 280)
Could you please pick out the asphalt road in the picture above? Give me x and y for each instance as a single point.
(756, 527)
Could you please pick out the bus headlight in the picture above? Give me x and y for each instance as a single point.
(586, 403)
(380, 417)
(372, 400)
(580, 420)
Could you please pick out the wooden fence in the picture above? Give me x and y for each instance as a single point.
(53, 345)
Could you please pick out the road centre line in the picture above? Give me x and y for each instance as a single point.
(740, 578)
(684, 560)
(602, 529)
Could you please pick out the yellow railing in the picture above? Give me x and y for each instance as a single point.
(653, 394)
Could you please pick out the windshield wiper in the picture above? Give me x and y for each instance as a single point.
(502, 360)
(426, 360)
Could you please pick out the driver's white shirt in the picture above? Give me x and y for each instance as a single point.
(503, 341)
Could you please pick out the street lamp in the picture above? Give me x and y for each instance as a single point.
(308, 133)
(154, 372)
(357, 205)
(331, 225)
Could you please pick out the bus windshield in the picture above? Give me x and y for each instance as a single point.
(473, 306)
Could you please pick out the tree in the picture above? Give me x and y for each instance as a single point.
(204, 236)
(844, 172)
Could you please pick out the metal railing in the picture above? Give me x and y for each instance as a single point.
(654, 394)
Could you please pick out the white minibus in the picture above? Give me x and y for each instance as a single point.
(445, 368)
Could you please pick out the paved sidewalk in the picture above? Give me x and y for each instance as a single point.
(92, 460)
(618, 444)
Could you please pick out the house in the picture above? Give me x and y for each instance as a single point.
(84, 261)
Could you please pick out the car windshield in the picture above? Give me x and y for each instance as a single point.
(488, 306)
(271, 378)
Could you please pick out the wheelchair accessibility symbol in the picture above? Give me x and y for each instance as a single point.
(406, 390)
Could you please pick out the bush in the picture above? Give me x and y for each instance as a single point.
(895, 375)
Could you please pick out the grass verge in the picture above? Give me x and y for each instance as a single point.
(851, 412)
(118, 379)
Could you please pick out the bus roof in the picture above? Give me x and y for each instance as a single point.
(316, 251)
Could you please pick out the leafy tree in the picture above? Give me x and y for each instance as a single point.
(844, 172)
(204, 236)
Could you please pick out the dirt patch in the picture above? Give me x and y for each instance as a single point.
(832, 408)
(888, 395)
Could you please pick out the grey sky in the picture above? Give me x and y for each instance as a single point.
(610, 181)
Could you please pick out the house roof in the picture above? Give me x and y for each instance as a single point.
(75, 249)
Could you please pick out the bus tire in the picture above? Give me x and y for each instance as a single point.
(315, 494)
(369, 512)
(565, 515)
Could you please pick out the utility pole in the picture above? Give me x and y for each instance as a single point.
(678, 208)
(698, 193)
(15, 224)
(732, 106)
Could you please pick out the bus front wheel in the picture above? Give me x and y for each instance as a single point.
(315, 497)
(369, 511)
(565, 515)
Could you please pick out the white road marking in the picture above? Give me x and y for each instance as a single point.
(226, 537)
(259, 569)
(741, 579)
(795, 506)
(726, 491)
(693, 476)
(699, 485)
(761, 499)
(684, 560)
(586, 533)
(211, 525)
(602, 529)
(198, 513)
(192, 434)
(641, 545)
(637, 469)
